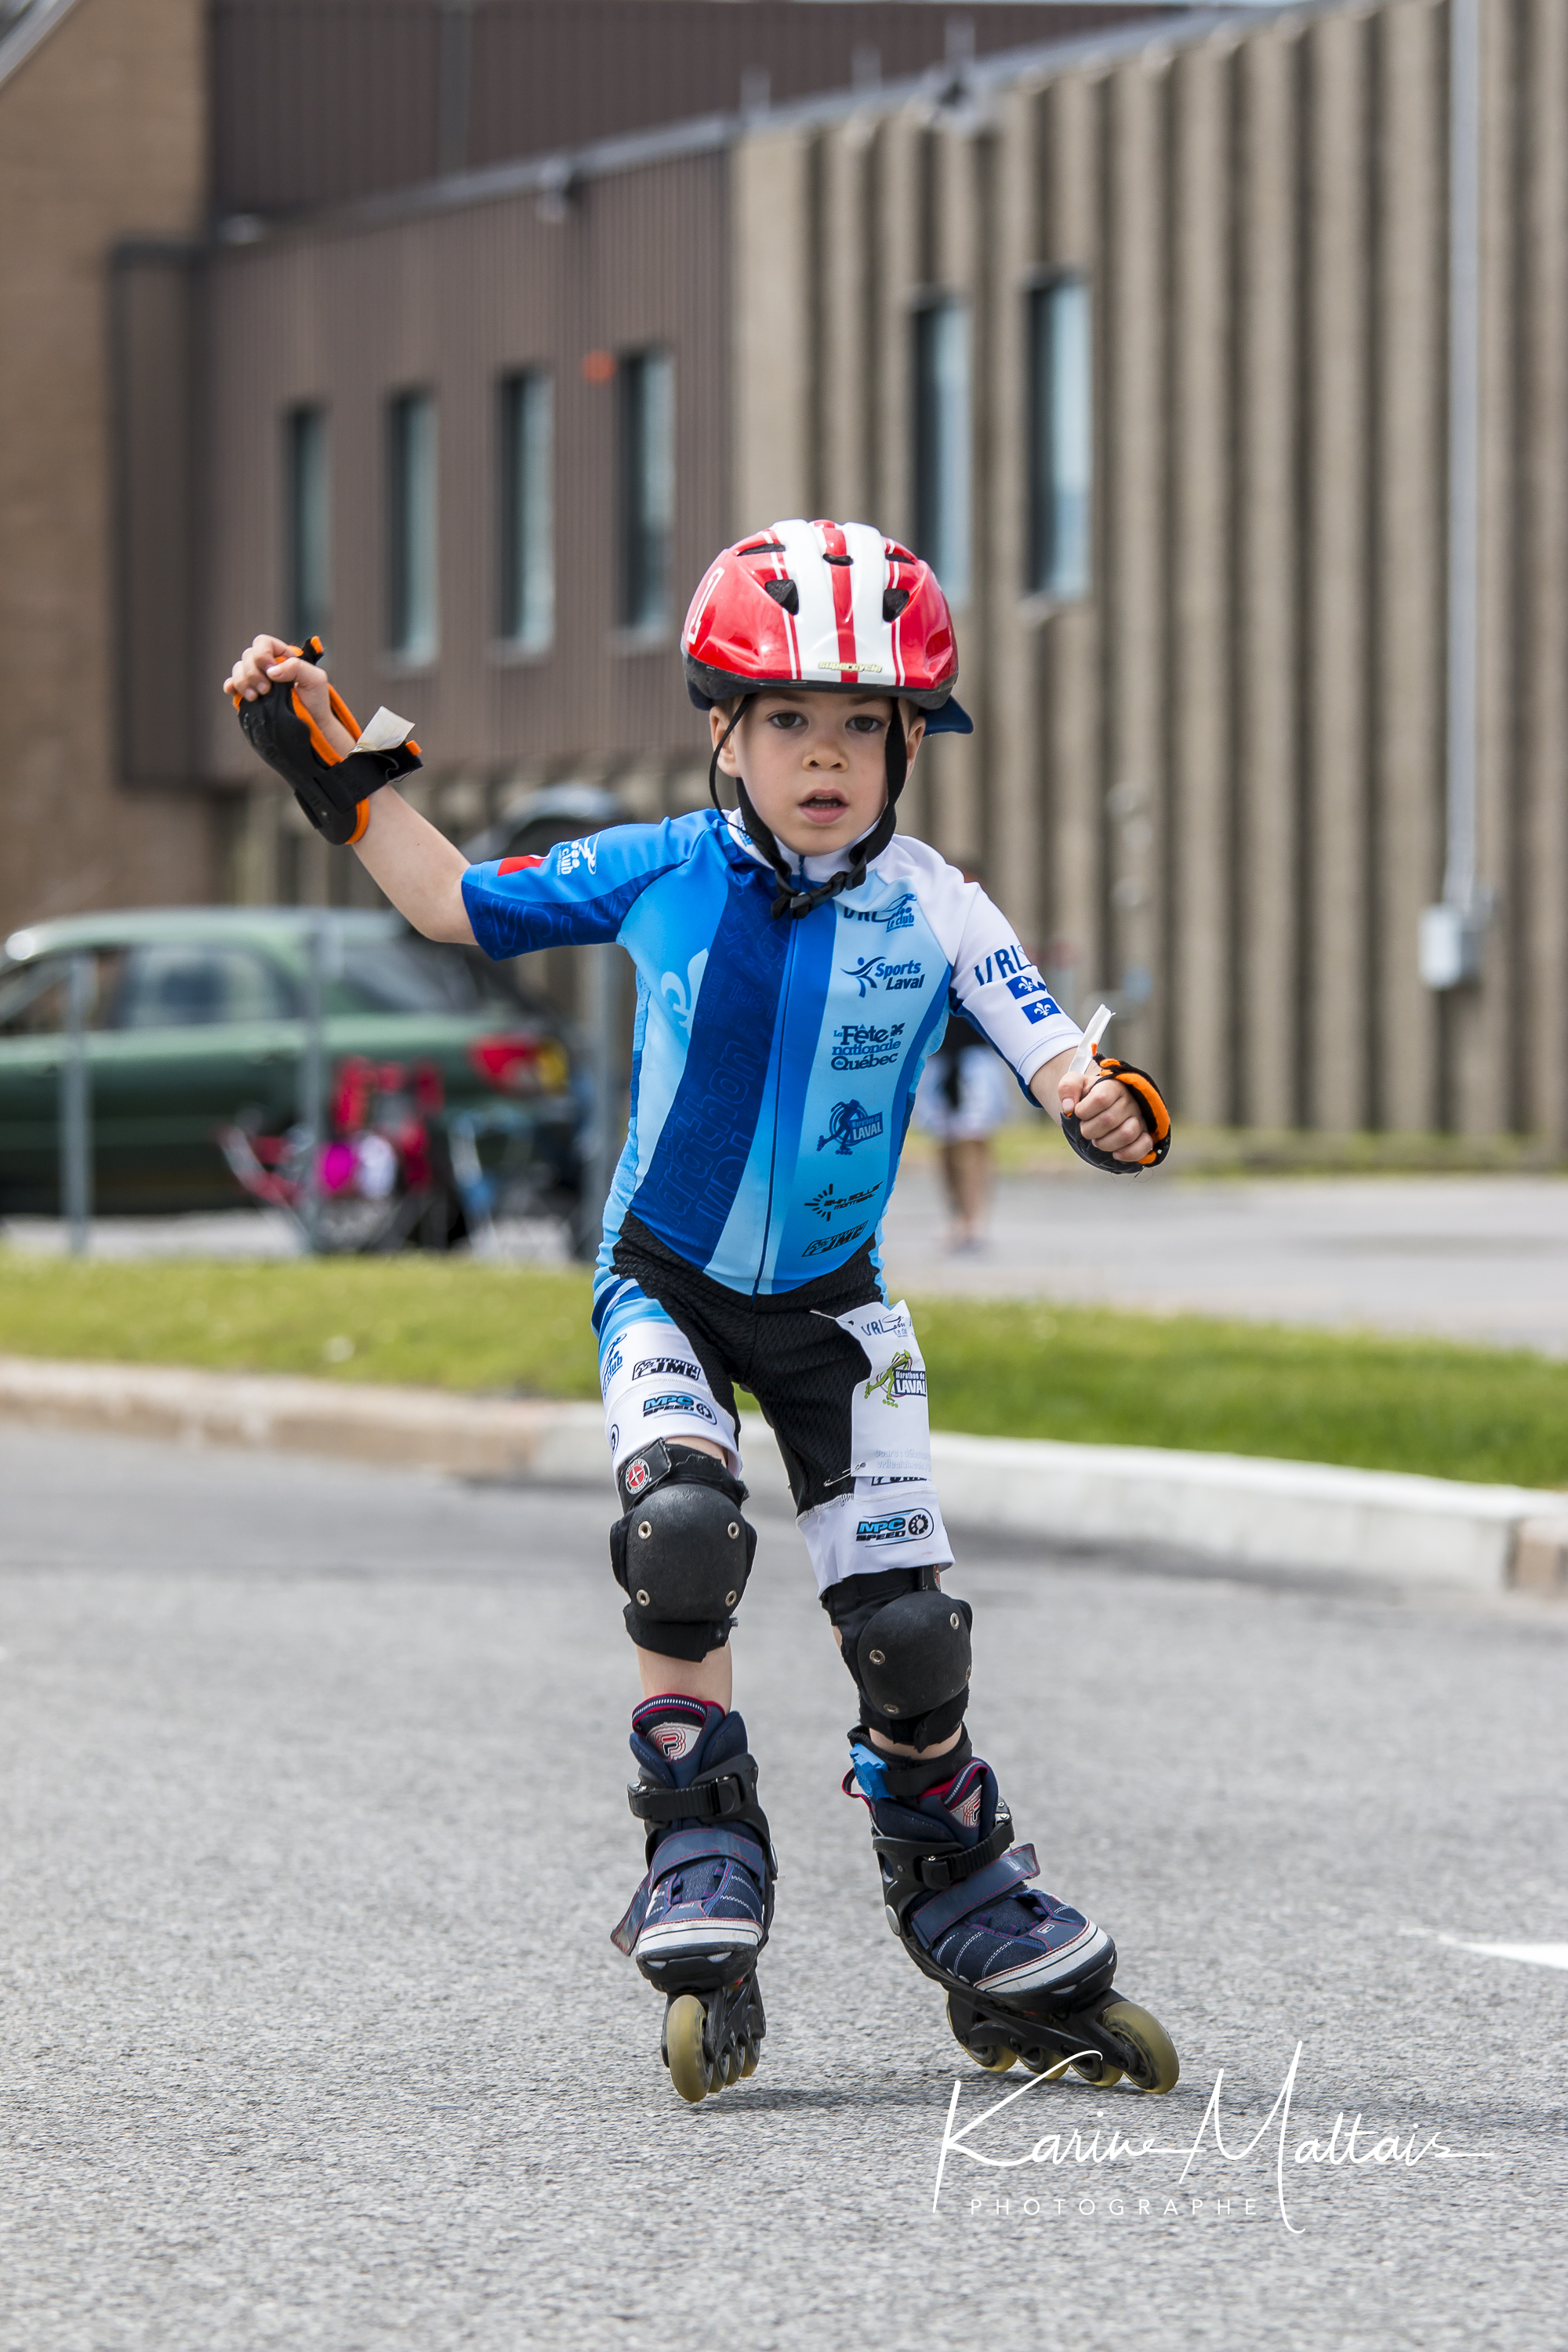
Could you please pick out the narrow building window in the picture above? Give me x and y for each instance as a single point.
(648, 486)
(943, 445)
(411, 528)
(1061, 438)
(527, 510)
(307, 523)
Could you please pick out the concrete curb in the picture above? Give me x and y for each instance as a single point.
(1305, 1515)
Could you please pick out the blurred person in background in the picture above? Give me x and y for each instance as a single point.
(963, 1100)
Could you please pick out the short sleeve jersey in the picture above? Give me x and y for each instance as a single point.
(774, 1062)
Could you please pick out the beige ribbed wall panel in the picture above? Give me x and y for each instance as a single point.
(1409, 486)
(1338, 785)
(1480, 1088)
(1075, 849)
(1543, 1013)
(848, 378)
(1134, 410)
(1224, 767)
(957, 265)
(1204, 647)
(1268, 777)
(773, 344)
(1015, 812)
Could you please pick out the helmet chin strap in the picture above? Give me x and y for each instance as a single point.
(794, 897)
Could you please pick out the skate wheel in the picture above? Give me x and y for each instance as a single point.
(684, 2029)
(748, 2061)
(732, 2066)
(1101, 2077)
(1052, 2069)
(995, 2062)
(1150, 2060)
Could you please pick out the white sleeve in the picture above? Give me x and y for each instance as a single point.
(1000, 991)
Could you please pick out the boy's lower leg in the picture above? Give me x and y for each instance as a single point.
(682, 1553)
(1024, 1974)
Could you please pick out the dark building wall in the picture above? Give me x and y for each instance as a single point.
(101, 141)
(450, 302)
(317, 102)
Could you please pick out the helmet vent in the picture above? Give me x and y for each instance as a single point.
(893, 603)
(784, 592)
(762, 547)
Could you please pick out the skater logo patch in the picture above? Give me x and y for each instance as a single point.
(666, 1368)
(636, 1476)
(849, 1123)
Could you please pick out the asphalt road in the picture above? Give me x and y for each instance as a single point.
(312, 2033)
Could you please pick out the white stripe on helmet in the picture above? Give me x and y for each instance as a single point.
(816, 631)
(880, 668)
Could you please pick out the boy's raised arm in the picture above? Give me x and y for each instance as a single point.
(417, 868)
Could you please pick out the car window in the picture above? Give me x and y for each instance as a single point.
(407, 975)
(198, 985)
(33, 1000)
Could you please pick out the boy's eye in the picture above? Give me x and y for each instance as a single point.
(788, 719)
(863, 723)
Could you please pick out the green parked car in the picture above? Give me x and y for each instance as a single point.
(197, 1024)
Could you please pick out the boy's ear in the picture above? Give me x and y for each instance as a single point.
(718, 718)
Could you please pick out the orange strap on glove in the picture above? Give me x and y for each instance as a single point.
(1151, 1108)
(333, 788)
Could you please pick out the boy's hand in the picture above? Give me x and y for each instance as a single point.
(1108, 1114)
(271, 661)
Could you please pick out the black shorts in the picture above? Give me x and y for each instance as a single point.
(786, 1350)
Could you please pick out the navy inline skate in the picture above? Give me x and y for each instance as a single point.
(1026, 1977)
(701, 1913)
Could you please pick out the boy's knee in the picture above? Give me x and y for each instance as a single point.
(683, 1549)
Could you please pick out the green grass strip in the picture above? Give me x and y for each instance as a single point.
(1002, 1369)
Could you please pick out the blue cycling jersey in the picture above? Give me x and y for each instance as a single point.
(774, 1063)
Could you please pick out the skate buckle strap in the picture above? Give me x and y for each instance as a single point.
(987, 1885)
(706, 1845)
(718, 1799)
(940, 1871)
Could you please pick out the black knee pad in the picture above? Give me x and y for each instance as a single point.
(683, 1551)
(906, 1643)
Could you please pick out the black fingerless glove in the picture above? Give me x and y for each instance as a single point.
(1151, 1108)
(333, 788)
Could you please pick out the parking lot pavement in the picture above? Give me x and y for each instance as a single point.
(1460, 1257)
(313, 2034)
(256, 1233)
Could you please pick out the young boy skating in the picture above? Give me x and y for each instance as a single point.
(796, 961)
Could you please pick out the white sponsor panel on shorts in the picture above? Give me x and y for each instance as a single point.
(896, 1525)
(889, 1434)
(657, 1388)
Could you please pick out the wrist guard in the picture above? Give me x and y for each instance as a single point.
(333, 788)
(1149, 1105)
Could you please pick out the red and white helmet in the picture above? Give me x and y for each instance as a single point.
(823, 605)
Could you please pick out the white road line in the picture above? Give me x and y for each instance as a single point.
(1544, 1956)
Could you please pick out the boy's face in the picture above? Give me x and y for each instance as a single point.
(814, 764)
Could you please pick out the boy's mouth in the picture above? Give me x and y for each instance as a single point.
(824, 806)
